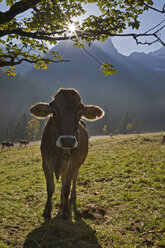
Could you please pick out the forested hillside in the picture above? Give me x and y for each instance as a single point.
(17, 94)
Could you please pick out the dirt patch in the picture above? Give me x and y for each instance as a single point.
(103, 179)
(84, 183)
(149, 242)
(93, 211)
(147, 140)
(137, 225)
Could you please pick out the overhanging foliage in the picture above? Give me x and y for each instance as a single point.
(30, 25)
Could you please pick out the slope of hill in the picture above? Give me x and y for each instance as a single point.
(154, 60)
(17, 94)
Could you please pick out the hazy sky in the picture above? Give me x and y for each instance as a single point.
(128, 45)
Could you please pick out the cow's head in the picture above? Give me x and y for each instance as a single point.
(67, 109)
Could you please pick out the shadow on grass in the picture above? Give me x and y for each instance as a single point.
(63, 234)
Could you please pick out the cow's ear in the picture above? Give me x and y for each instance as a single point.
(92, 113)
(40, 110)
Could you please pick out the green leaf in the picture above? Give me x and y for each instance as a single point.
(11, 71)
(79, 45)
(107, 69)
(9, 2)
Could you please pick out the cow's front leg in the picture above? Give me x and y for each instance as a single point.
(66, 183)
(50, 190)
(73, 192)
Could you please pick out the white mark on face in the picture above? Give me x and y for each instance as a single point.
(63, 137)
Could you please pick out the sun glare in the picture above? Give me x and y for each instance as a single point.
(72, 27)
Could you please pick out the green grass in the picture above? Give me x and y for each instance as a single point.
(120, 197)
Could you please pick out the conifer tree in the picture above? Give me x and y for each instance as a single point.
(24, 123)
(18, 132)
(33, 129)
(124, 122)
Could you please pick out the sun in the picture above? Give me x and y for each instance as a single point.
(72, 27)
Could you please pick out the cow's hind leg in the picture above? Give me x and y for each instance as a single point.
(50, 190)
(73, 192)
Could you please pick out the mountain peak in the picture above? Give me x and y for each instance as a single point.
(105, 47)
(159, 53)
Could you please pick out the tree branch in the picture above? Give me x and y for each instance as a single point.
(158, 39)
(16, 9)
(155, 9)
(35, 35)
(12, 61)
(80, 34)
(155, 27)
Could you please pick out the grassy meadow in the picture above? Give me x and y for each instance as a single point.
(120, 197)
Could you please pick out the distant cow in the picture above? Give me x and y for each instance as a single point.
(7, 144)
(64, 144)
(24, 142)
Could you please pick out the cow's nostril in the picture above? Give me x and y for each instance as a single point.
(67, 141)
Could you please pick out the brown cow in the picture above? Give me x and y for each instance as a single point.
(7, 144)
(64, 144)
(24, 142)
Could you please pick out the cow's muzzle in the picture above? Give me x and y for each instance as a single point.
(67, 142)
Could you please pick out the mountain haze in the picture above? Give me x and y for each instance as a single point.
(137, 88)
